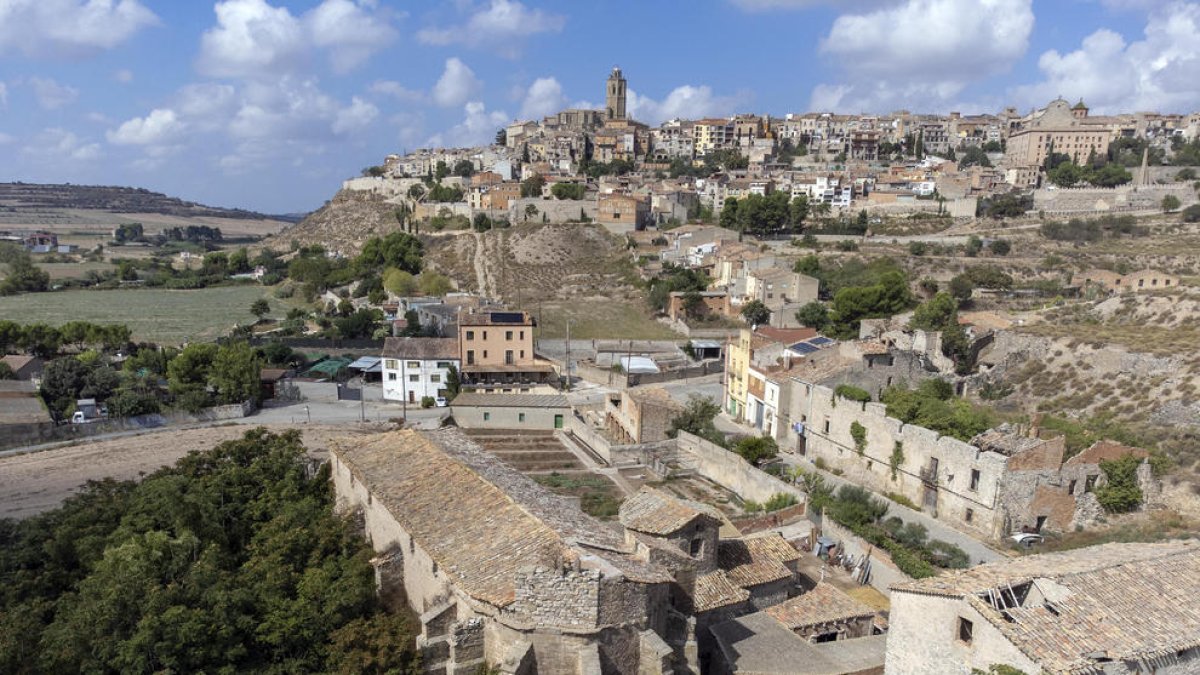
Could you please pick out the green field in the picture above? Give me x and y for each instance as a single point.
(155, 315)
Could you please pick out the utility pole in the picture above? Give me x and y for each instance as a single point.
(404, 391)
(362, 400)
(568, 355)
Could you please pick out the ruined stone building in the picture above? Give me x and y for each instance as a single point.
(1112, 609)
(1003, 481)
(640, 415)
(502, 571)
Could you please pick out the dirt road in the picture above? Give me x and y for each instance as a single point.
(40, 481)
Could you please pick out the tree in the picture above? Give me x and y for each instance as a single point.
(434, 284)
(62, 382)
(260, 308)
(1121, 494)
(398, 282)
(416, 191)
(961, 288)
(463, 168)
(814, 315)
(531, 188)
(917, 248)
(973, 247)
(974, 156)
(188, 371)
(1066, 174)
(398, 249)
(697, 419)
(1192, 214)
(234, 375)
(6, 372)
(24, 276)
(940, 312)
(1170, 203)
(798, 210)
(530, 211)
(440, 171)
(756, 313)
(889, 296)
(453, 382)
(41, 340)
(573, 191)
(1000, 247)
(757, 449)
(482, 223)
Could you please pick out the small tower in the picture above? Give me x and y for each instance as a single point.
(615, 96)
(1079, 110)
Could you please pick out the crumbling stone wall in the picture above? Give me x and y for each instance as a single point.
(966, 504)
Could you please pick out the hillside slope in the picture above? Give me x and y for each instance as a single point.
(19, 200)
(342, 224)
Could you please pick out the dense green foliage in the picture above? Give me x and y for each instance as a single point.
(675, 279)
(1121, 493)
(853, 393)
(859, 433)
(229, 562)
(889, 296)
(1010, 205)
(1079, 230)
(756, 313)
(814, 315)
(756, 449)
(697, 419)
(573, 191)
(932, 405)
(23, 276)
(764, 214)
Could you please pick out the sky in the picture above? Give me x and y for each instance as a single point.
(270, 104)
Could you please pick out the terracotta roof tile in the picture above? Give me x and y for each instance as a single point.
(823, 604)
(750, 563)
(715, 590)
(655, 512)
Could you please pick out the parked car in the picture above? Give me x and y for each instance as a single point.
(1027, 539)
(441, 402)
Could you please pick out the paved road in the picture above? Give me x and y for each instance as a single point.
(306, 412)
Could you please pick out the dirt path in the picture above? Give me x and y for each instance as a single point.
(39, 481)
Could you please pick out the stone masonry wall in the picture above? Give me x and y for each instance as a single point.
(827, 429)
(548, 597)
(732, 472)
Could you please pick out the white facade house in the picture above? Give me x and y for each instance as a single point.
(414, 368)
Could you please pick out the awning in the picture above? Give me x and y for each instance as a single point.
(365, 363)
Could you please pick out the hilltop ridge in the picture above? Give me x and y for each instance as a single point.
(19, 200)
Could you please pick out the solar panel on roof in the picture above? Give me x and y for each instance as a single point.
(821, 340)
(508, 317)
(803, 348)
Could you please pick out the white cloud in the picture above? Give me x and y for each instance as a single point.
(687, 102)
(349, 31)
(502, 26)
(70, 28)
(410, 127)
(545, 96)
(52, 95)
(157, 128)
(396, 90)
(5, 139)
(456, 85)
(55, 145)
(124, 76)
(1155, 73)
(921, 53)
(3, 95)
(354, 118)
(787, 5)
(254, 39)
(477, 128)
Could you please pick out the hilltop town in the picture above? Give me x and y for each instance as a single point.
(818, 393)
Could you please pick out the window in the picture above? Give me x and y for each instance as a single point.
(522, 353)
(470, 335)
(485, 335)
(826, 426)
(522, 335)
(487, 416)
(435, 378)
(520, 417)
(390, 364)
(969, 516)
(508, 335)
(414, 378)
(443, 364)
(414, 364)
(485, 353)
(966, 630)
(470, 357)
(1071, 487)
(392, 377)
(975, 480)
(697, 547)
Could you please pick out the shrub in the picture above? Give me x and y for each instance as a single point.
(859, 433)
(1121, 493)
(1170, 203)
(427, 402)
(849, 391)
(902, 500)
(1192, 214)
(1000, 247)
(896, 458)
(917, 248)
(780, 501)
(755, 449)
(847, 245)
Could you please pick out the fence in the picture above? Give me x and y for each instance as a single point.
(34, 435)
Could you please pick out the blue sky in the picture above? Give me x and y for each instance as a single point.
(269, 104)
